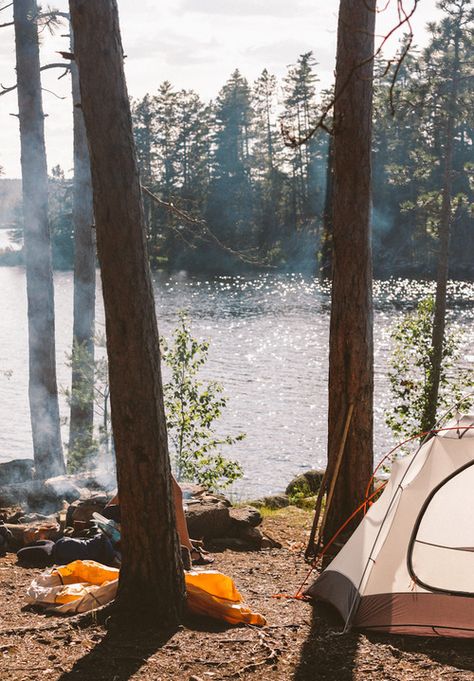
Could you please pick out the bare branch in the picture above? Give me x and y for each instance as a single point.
(52, 93)
(56, 65)
(6, 6)
(404, 18)
(205, 234)
(9, 23)
(66, 68)
(4, 90)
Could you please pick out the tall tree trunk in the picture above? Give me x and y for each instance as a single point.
(351, 332)
(82, 384)
(151, 586)
(439, 318)
(42, 387)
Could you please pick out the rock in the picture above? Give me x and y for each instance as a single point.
(252, 536)
(81, 510)
(306, 484)
(229, 543)
(208, 520)
(64, 488)
(268, 543)
(18, 470)
(306, 503)
(246, 516)
(37, 495)
(273, 502)
(189, 490)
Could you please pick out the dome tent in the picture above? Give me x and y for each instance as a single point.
(409, 566)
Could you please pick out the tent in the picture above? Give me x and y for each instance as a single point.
(409, 566)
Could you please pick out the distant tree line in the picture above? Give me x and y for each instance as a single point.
(225, 163)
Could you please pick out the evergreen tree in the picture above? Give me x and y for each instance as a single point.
(230, 208)
(267, 164)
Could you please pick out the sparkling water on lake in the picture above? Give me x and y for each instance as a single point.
(268, 338)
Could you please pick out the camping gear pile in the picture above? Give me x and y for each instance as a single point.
(35, 510)
(409, 566)
(85, 585)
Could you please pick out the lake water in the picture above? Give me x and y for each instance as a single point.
(269, 348)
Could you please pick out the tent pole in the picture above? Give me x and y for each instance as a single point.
(337, 468)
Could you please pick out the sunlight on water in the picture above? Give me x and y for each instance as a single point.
(269, 336)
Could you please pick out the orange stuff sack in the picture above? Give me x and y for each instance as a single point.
(85, 585)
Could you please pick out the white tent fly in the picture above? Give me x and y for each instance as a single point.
(409, 566)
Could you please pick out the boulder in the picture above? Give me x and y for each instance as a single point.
(40, 496)
(245, 516)
(206, 521)
(306, 484)
(63, 487)
(273, 502)
(18, 470)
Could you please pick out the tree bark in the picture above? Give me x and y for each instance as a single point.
(351, 326)
(151, 586)
(439, 317)
(81, 426)
(42, 387)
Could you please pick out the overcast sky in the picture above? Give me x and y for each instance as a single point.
(194, 44)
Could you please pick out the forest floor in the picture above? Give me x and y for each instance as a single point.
(299, 643)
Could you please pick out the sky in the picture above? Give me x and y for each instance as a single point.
(193, 44)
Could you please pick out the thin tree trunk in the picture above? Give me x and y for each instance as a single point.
(325, 261)
(351, 332)
(82, 385)
(151, 586)
(439, 318)
(42, 387)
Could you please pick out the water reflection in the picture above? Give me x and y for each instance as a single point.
(268, 335)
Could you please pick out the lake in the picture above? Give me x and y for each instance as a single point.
(268, 338)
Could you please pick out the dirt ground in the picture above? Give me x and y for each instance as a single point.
(299, 643)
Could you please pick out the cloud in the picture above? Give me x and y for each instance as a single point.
(174, 49)
(281, 53)
(272, 8)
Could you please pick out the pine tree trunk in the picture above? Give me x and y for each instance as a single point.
(439, 317)
(42, 387)
(151, 586)
(351, 332)
(82, 385)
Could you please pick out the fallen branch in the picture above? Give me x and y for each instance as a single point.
(271, 658)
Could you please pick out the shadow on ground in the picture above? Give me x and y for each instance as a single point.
(118, 656)
(457, 653)
(327, 654)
